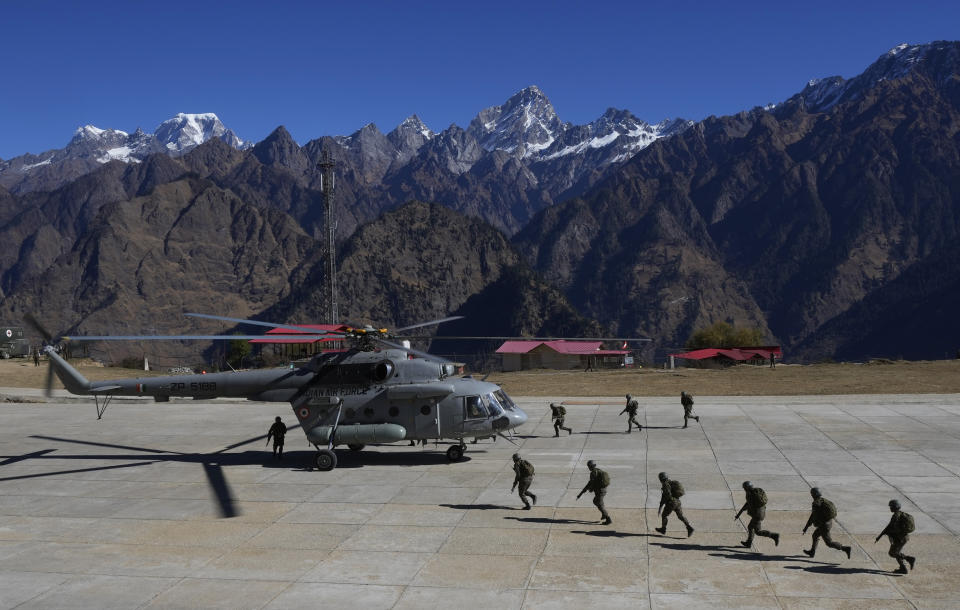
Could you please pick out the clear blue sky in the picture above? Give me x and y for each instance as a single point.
(324, 67)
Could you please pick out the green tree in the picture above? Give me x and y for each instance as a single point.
(239, 349)
(725, 335)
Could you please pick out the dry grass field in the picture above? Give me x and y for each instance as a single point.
(926, 377)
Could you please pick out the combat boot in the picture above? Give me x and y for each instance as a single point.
(662, 530)
(846, 550)
(776, 539)
(911, 561)
(901, 570)
(745, 543)
(606, 521)
(534, 499)
(526, 507)
(809, 553)
(689, 531)
(697, 417)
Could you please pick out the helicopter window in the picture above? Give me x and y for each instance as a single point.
(504, 400)
(473, 408)
(492, 405)
(394, 411)
(425, 410)
(368, 411)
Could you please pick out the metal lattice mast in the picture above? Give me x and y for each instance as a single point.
(327, 184)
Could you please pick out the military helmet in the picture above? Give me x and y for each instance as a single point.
(815, 492)
(516, 457)
(629, 397)
(747, 485)
(663, 476)
(894, 504)
(591, 464)
(277, 419)
(553, 404)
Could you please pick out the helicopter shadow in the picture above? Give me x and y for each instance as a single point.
(359, 459)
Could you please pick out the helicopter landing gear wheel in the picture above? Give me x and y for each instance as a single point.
(326, 460)
(356, 447)
(455, 452)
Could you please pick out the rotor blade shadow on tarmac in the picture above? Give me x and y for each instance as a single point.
(26, 456)
(108, 445)
(610, 534)
(220, 490)
(94, 469)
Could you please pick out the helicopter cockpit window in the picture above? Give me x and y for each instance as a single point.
(493, 406)
(505, 401)
(473, 408)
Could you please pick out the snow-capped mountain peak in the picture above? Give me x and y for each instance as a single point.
(524, 125)
(186, 131)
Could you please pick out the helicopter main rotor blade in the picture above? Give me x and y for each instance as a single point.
(430, 323)
(306, 329)
(313, 337)
(424, 355)
(35, 325)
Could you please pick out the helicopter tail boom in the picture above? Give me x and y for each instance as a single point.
(69, 376)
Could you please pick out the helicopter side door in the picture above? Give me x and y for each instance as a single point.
(474, 416)
(425, 418)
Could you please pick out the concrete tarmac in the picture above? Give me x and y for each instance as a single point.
(180, 505)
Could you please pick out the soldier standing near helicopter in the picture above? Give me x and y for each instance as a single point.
(278, 430)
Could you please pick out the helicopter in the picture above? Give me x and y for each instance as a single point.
(377, 391)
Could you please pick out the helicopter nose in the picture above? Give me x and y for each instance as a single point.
(518, 417)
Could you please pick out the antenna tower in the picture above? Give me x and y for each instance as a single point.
(327, 184)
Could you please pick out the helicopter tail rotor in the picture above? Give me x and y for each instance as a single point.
(35, 324)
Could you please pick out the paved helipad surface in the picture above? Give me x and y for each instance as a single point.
(126, 512)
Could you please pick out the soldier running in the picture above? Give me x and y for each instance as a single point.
(278, 430)
(558, 412)
(822, 514)
(756, 507)
(598, 483)
(631, 409)
(670, 492)
(687, 401)
(524, 477)
(898, 531)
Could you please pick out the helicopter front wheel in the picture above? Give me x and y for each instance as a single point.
(455, 452)
(326, 460)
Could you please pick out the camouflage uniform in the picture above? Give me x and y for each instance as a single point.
(899, 533)
(524, 477)
(595, 484)
(670, 504)
(822, 521)
(277, 431)
(687, 401)
(558, 412)
(756, 507)
(631, 409)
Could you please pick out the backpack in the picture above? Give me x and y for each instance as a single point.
(604, 478)
(906, 523)
(676, 489)
(826, 510)
(559, 411)
(526, 468)
(759, 497)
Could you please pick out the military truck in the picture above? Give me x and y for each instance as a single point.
(12, 343)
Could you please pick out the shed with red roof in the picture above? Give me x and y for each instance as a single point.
(559, 354)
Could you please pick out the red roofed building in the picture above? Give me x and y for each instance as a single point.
(559, 354)
(716, 356)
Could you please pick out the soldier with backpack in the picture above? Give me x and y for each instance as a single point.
(822, 515)
(687, 401)
(598, 483)
(524, 477)
(756, 507)
(557, 413)
(898, 531)
(670, 493)
(631, 410)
